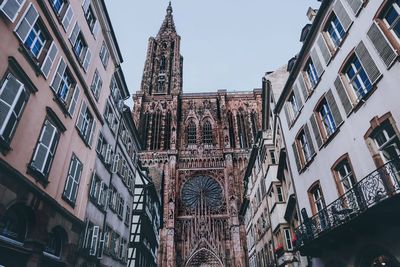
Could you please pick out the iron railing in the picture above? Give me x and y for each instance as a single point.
(381, 184)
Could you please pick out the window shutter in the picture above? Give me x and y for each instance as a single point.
(100, 195)
(310, 142)
(85, 5)
(367, 62)
(74, 101)
(101, 246)
(296, 156)
(115, 164)
(49, 60)
(77, 176)
(355, 5)
(27, 23)
(297, 96)
(107, 157)
(323, 47)
(75, 33)
(334, 108)
(11, 8)
(92, 131)
(342, 15)
(287, 115)
(82, 112)
(92, 191)
(96, 29)
(316, 61)
(11, 93)
(382, 45)
(87, 59)
(95, 238)
(302, 86)
(55, 85)
(85, 234)
(314, 126)
(66, 21)
(99, 86)
(344, 98)
(41, 156)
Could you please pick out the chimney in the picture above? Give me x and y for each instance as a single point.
(311, 13)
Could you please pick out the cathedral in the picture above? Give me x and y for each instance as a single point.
(196, 147)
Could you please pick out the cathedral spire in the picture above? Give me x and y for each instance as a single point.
(168, 24)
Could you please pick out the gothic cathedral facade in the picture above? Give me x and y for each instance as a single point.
(196, 147)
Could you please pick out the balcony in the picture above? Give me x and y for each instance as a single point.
(370, 203)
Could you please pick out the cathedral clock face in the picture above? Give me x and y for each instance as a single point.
(202, 190)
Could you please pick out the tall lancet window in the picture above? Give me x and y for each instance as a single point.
(231, 130)
(242, 132)
(254, 127)
(167, 131)
(207, 134)
(191, 134)
(156, 131)
(145, 127)
(163, 64)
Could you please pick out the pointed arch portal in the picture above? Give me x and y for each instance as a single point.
(204, 258)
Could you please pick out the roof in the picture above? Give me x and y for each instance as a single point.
(278, 79)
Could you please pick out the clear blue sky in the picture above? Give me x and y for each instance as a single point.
(226, 44)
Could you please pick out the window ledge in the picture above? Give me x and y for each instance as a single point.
(364, 99)
(332, 136)
(82, 137)
(293, 122)
(30, 58)
(307, 164)
(4, 146)
(61, 104)
(70, 202)
(39, 177)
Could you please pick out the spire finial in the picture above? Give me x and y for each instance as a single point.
(169, 9)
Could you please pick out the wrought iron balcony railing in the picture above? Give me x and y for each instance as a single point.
(375, 188)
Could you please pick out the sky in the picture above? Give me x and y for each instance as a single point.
(226, 44)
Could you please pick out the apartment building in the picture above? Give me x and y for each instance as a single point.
(340, 114)
(269, 209)
(59, 73)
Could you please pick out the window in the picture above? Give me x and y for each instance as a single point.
(304, 146)
(294, 107)
(97, 83)
(98, 191)
(86, 124)
(120, 207)
(45, 150)
(13, 98)
(191, 132)
(80, 47)
(316, 199)
(387, 141)
(160, 83)
(288, 238)
(243, 127)
(65, 87)
(55, 242)
(104, 150)
(128, 215)
(357, 77)
(326, 118)
(279, 193)
(104, 54)
(311, 74)
(90, 16)
(11, 8)
(14, 223)
(57, 5)
(207, 134)
(335, 31)
(91, 238)
(344, 175)
(111, 119)
(391, 17)
(72, 182)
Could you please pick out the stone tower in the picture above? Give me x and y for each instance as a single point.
(196, 147)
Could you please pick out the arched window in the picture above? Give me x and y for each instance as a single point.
(207, 133)
(163, 64)
(55, 241)
(14, 224)
(191, 133)
(167, 131)
(231, 130)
